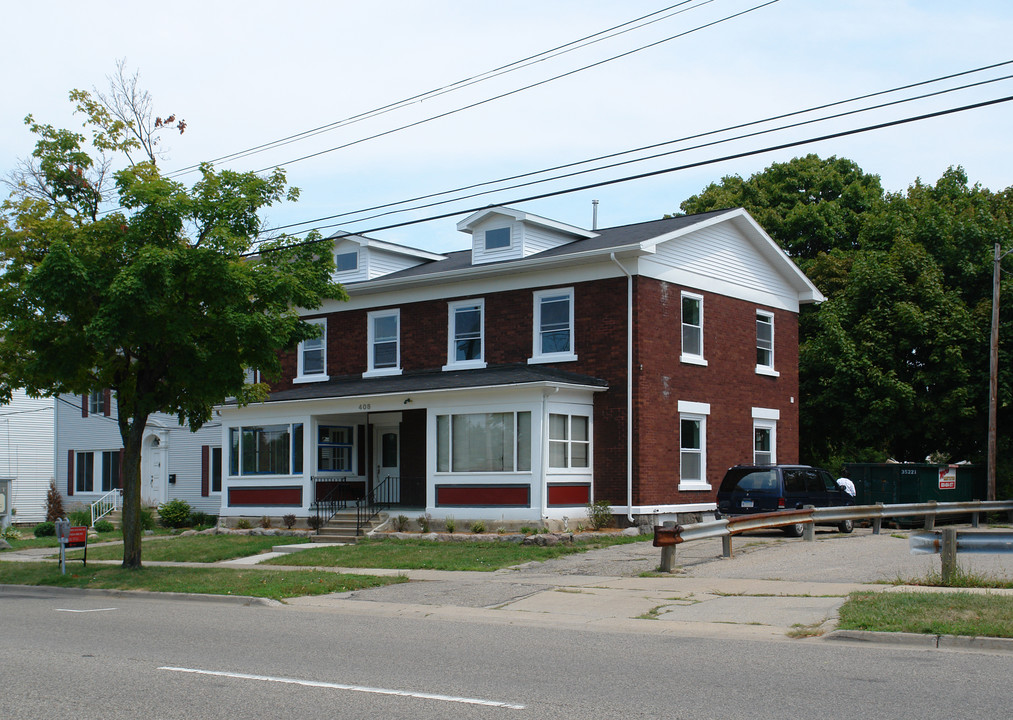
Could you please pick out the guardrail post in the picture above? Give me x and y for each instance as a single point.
(877, 522)
(726, 546)
(809, 532)
(949, 554)
(668, 551)
(974, 520)
(930, 521)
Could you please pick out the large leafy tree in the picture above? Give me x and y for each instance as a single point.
(895, 363)
(128, 280)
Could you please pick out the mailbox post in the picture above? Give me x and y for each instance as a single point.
(63, 536)
(5, 503)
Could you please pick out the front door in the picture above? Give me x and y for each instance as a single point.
(387, 454)
(154, 485)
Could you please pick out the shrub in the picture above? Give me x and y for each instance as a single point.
(45, 529)
(80, 517)
(599, 514)
(526, 530)
(289, 520)
(243, 524)
(175, 513)
(424, 522)
(54, 503)
(202, 519)
(401, 523)
(314, 521)
(478, 527)
(104, 526)
(10, 533)
(450, 524)
(265, 522)
(147, 519)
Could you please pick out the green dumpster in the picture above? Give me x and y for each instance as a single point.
(893, 483)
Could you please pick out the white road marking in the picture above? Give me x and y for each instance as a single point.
(84, 611)
(354, 688)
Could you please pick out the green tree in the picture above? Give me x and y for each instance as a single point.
(160, 299)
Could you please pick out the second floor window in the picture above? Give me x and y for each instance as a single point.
(384, 345)
(692, 328)
(553, 326)
(346, 262)
(96, 402)
(466, 331)
(764, 342)
(313, 355)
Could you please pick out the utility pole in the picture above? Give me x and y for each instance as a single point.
(993, 371)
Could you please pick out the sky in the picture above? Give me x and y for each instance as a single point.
(247, 73)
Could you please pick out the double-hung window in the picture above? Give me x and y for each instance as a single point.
(483, 442)
(96, 402)
(313, 355)
(553, 326)
(334, 448)
(266, 450)
(466, 333)
(216, 470)
(84, 478)
(693, 445)
(383, 340)
(569, 441)
(765, 435)
(765, 343)
(692, 329)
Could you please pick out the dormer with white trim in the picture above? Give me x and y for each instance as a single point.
(358, 258)
(501, 233)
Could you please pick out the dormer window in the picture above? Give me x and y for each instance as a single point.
(497, 238)
(345, 262)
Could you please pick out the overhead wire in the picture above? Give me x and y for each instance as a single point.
(654, 146)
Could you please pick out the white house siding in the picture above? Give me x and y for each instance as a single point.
(100, 433)
(480, 255)
(383, 263)
(26, 454)
(361, 272)
(538, 239)
(722, 260)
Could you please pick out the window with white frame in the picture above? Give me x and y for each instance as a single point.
(466, 334)
(693, 445)
(106, 475)
(765, 343)
(692, 329)
(483, 442)
(765, 435)
(569, 441)
(497, 238)
(346, 261)
(553, 326)
(334, 448)
(313, 355)
(96, 402)
(266, 450)
(384, 342)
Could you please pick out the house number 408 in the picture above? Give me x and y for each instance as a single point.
(364, 406)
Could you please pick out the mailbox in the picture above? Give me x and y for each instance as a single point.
(62, 530)
(5, 503)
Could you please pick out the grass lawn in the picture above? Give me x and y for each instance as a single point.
(276, 584)
(194, 548)
(930, 613)
(429, 555)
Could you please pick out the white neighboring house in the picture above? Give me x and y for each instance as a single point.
(175, 463)
(26, 454)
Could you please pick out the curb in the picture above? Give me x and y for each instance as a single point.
(939, 642)
(46, 590)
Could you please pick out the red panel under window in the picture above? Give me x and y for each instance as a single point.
(483, 495)
(569, 494)
(265, 496)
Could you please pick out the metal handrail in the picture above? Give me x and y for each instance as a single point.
(335, 499)
(369, 507)
(108, 503)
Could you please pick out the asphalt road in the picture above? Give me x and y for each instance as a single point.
(72, 654)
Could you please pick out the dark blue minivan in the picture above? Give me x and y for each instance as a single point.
(748, 489)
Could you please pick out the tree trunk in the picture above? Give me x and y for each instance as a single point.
(132, 435)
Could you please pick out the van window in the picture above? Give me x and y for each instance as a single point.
(794, 481)
(765, 480)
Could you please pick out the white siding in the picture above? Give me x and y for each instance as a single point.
(480, 255)
(26, 454)
(538, 239)
(360, 273)
(384, 263)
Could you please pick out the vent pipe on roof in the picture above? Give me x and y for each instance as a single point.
(594, 215)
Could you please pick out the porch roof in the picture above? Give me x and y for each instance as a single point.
(432, 381)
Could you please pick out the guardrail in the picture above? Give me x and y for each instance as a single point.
(669, 535)
(949, 542)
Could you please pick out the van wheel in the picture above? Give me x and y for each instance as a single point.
(846, 526)
(795, 530)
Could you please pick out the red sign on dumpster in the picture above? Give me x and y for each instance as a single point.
(78, 537)
(948, 478)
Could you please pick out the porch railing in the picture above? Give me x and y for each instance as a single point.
(375, 501)
(108, 503)
(336, 498)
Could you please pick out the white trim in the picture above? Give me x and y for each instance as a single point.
(694, 408)
(701, 418)
(300, 376)
(688, 357)
(537, 356)
(452, 308)
(767, 369)
(469, 222)
(771, 426)
(760, 413)
(371, 319)
(764, 370)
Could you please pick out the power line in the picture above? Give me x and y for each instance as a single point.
(664, 171)
(657, 145)
(517, 90)
(571, 46)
